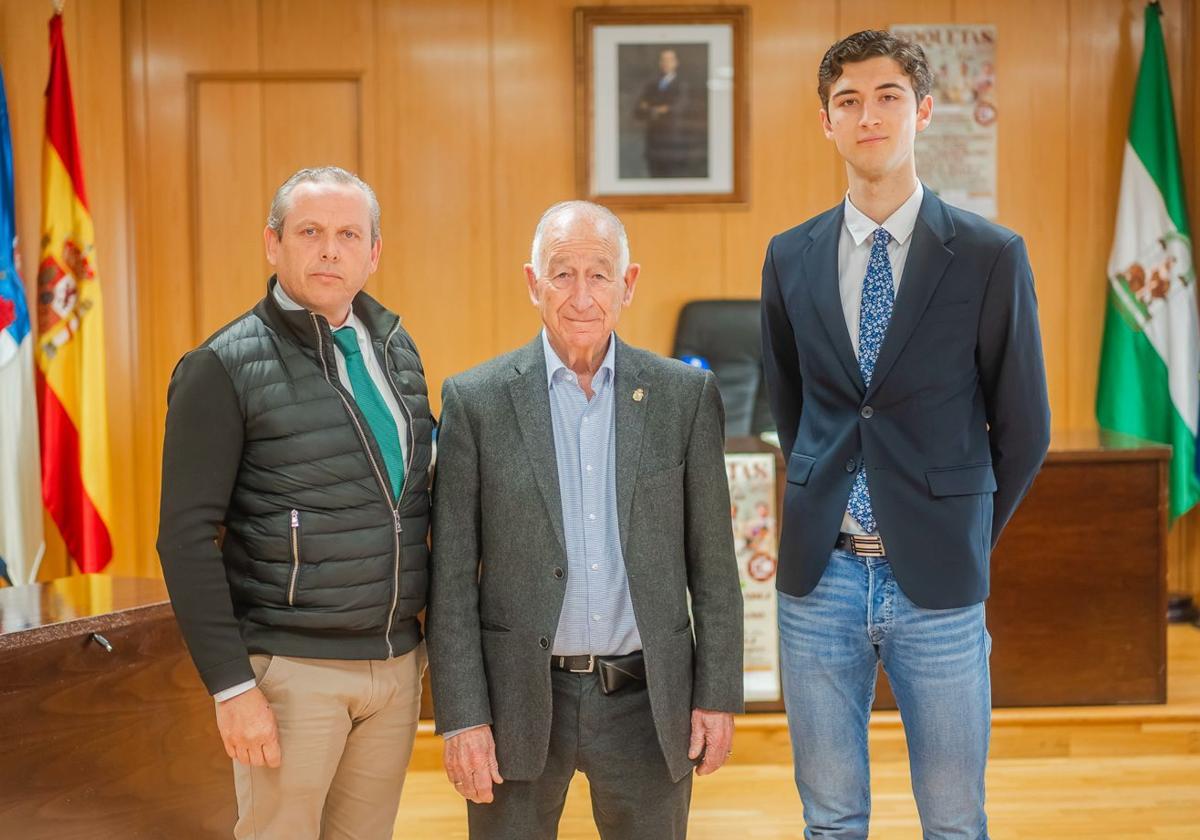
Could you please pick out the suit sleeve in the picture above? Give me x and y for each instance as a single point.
(781, 366)
(1013, 379)
(712, 569)
(460, 693)
(202, 452)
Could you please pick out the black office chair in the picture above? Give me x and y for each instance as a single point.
(727, 335)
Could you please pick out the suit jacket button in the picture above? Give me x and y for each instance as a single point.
(543, 643)
(558, 572)
(851, 466)
(867, 412)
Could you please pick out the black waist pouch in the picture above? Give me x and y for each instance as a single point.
(619, 673)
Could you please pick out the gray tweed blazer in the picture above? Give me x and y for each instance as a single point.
(498, 563)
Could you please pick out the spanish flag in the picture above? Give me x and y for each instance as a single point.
(70, 349)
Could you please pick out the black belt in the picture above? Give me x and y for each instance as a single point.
(864, 545)
(616, 672)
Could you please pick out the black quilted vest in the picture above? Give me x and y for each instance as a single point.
(321, 560)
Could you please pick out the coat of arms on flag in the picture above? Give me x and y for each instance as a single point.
(72, 399)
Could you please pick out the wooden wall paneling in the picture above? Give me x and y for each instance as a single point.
(795, 172)
(178, 39)
(1184, 575)
(316, 35)
(1184, 19)
(1102, 69)
(434, 178)
(97, 64)
(146, 402)
(855, 15)
(1101, 77)
(1031, 96)
(228, 201)
(682, 257)
(309, 122)
(284, 122)
(1191, 162)
(533, 146)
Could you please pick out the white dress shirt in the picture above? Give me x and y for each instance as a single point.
(375, 371)
(854, 252)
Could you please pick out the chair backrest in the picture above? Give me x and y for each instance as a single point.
(728, 335)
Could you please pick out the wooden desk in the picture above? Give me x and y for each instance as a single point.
(1079, 583)
(98, 743)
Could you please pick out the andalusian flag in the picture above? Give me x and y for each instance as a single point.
(70, 349)
(1150, 360)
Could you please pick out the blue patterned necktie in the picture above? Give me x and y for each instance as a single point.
(371, 404)
(878, 295)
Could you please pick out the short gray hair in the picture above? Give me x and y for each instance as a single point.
(281, 204)
(604, 220)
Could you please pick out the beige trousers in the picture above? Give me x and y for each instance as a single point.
(346, 731)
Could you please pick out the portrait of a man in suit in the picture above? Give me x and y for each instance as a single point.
(664, 110)
(904, 367)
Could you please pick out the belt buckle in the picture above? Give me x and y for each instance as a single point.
(591, 666)
(867, 545)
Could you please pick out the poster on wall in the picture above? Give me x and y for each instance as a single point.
(956, 154)
(756, 542)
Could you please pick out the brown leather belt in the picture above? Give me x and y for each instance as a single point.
(864, 545)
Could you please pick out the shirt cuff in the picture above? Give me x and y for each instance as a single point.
(448, 735)
(234, 691)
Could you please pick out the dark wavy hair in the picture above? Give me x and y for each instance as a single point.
(873, 43)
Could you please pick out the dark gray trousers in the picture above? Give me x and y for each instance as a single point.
(612, 740)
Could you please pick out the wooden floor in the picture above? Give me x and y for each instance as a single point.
(1055, 774)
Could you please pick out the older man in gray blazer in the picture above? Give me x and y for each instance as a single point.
(580, 498)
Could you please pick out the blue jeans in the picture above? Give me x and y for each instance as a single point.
(937, 664)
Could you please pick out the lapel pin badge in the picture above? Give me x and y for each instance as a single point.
(638, 394)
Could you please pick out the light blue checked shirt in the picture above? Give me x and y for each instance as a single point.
(597, 614)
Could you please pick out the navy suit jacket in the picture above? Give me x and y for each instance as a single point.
(955, 424)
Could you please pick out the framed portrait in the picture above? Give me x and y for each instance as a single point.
(661, 104)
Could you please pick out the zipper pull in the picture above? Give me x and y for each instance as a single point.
(295, 519)
(396, 520)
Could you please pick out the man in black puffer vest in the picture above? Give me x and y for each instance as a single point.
(302, 429)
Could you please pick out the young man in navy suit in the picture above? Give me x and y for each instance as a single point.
(904, 367)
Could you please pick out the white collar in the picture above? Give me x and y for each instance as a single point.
(285, 301)
(899, 225)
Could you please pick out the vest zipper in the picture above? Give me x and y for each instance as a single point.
(383, 485)
(295, 558)
(408, 434)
